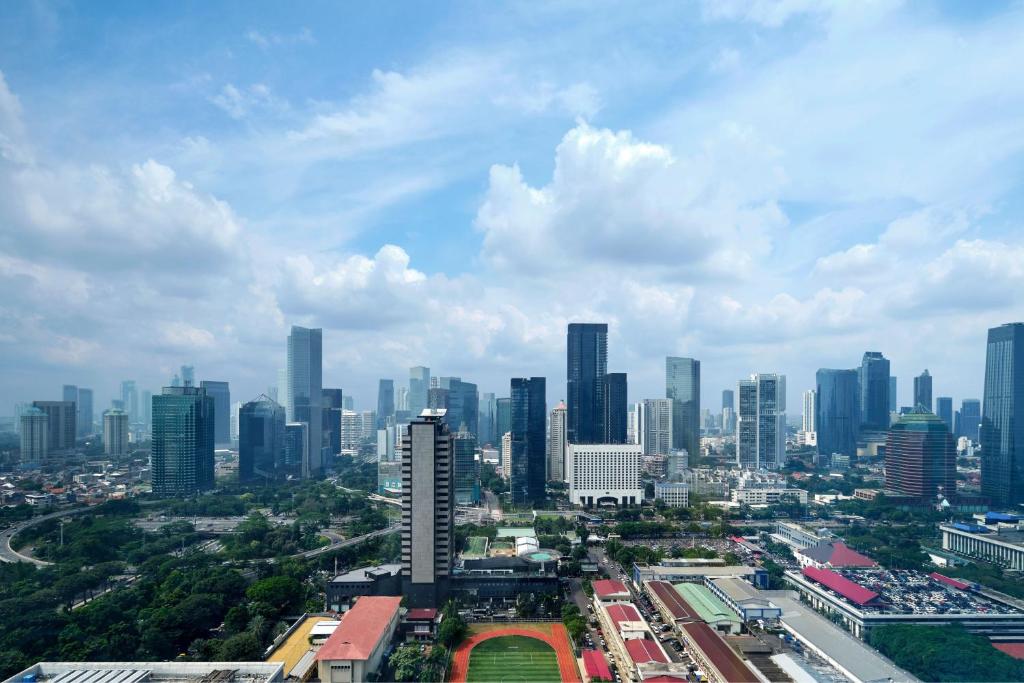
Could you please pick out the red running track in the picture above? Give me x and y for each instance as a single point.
(558, 639)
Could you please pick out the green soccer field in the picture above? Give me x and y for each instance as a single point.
(513, 659)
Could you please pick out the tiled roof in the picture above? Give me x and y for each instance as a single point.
(605, 587)
(664, 591)
(596, 666)
(421, 614)
(621, 612)
(642, 651)
(728, 663)
(848, 589)
(837, 554)
(361, 629)
(949, 582)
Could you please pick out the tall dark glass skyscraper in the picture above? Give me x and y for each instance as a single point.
(529, 444)
(837, 411)
(261, 445)
(182, 448)
(419, 385)
(682, 385)
(923, 390)
(488, 420)
(305, 391)
(874, 391)
(920, 458)
(616, 407)
(333, 404)
(944, 409)
(1002, 421)
(503, 417)
(463, 404)
(385, 402)
(893, 402)
(586, 366)
(221, 395)
(968, 420)
(467, 476)
(728, 399)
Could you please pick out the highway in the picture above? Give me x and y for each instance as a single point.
(8, 554)
(337, 544)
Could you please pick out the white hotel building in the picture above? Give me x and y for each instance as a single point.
(604, 473)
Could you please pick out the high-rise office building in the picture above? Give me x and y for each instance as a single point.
(333, 402)
(894, 404)
(728, 399)
(728, 411)
(761, 422)
(62, 425)
(182, 449)
(35, 435)
(428, 510)
(503, 412)
(616, 407)
(70, 393)
(419, 385)
(920, 458)
(147, 411)
(466, 475)
(586, 366)
(236, 409)
(506, 455)
(810, 411)
(529, 452)
(296, 446)
(85, 414)
(130, 399)
(221, 395)
(682, 385)
(600, 473)
(261, 440)
(305, 391)
(188, 375)
(556, 443)
(115, 433)
(402, 399)
(385, 402)
(968, 420)
(1002, 422)
(463, 404)
(944, 409)
(348, 402)
(838, 411)
(874, 391)
(437, 399)
(282, 390)
(656, 417)
(488, 420)
(923, 390)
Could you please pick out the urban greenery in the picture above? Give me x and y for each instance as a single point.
(946, 653)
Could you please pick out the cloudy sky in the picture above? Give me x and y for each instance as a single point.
(765, 186)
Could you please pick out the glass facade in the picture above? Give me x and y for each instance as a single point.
(261, 447)
(682, 385)
(182, 446)
(385, 402)
(419, 384)
(529, 443)
(920, 458)
(463, 404)
(838, 411)
(616, 407)
(221, 395)
(305, 391)
(874, 391)
(467, 474)
(586, 366)
(923, 391)
(1002, 423)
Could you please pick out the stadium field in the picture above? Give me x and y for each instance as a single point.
(513, 659)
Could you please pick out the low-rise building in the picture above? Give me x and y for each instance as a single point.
(356, 648)
(674, 494)
(385, 579)
(152, 672)
(608, 591)
(1001, 546)
(799, 537)
(678, 573)
(745, 600)
(702, 602)
(718, 661)
(832, 555)
(768, 496)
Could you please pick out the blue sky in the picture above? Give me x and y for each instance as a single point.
(766, 186)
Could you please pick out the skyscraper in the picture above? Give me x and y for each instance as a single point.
(428, 512)
(296, 447)
(182, 449)
(282, 390)
(147, 410)
(656, 428)
(466, 475)
(188, 375)
(615, 407)
(1002, 422)
(728, 411)
(944, 409)
(920, 458)
(923, 390)
(503, 413)
(488, 420)
(894, 404)
(35, 435)
(969, 419)
(810, 411)
(838, 411)
(305, 391)
(419, 384)
(221, 395)
(333, 402)
(761, 422)
(130, 399)
(874, 391)
(115, 433)
(528, 455)
(682, 385)
(62, 424)
(385, 402)
(261, 440)
(556, 444)
(728, 399)
(586, 366)
(463, 404)
(70, 393)
(85, 415)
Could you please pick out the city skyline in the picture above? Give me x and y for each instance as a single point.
(295, 213)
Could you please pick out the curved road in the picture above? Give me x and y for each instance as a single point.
(344, 544)
(9, 554)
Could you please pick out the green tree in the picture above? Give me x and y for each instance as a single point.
(280, 592)
(406, 662)
(241, 647)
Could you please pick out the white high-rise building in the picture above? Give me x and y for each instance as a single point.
(556, 444)
(604, 472)
(761, 422)
(236, 408)
(633, 424)
(351, 429)
(655, 425)
(115, 433)
(808, 435)
(506, 455)
(35, 434)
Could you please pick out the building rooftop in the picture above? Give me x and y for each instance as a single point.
(595, 665)
(837, 554)
(675, 604)
(366, 573)
(844, 587)
(619, 613)
(421, 614)
(643, 651)
(609, 587)
(728, 663)
(142, 672)
(691, 572)
(739, 590)
(361, 628)
(702, 601)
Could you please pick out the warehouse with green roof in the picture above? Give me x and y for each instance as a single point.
(702, 601)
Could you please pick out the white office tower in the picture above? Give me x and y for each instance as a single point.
(761, 422)
(604, 473)
(382, 445)
(305, 392)
(556, 444)
(35, 433)
(506, 455)
(808, 435)
(351, 429)
(236, 408)
(633, 424)
(655, 425)
(115, 433)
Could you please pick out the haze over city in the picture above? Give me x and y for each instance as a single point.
(769, 187)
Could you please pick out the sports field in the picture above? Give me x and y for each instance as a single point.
(513, 659)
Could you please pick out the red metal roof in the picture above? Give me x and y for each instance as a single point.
(949, 582)
(421, 614)
(848, 589)
(674, 602)
(845, 556)
(605, 587)
(664, 679)
(360, 630)
(622, 612)
(718, 652)
(642, 651)
(596, 666)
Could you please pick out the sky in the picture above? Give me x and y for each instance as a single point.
(764, 186)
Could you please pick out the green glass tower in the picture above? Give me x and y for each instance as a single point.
(182, 451)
